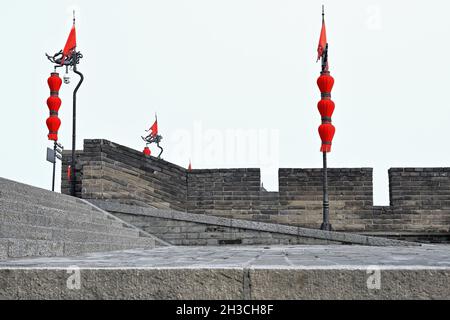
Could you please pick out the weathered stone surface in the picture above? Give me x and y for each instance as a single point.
(336, 284)
(269, 272)
(3, 249)
(119, 283)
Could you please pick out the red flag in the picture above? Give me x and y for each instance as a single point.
(190, 166)
(70, 44)
(322, 41)
(154, 129)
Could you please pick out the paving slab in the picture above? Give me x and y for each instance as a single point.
(299, 256)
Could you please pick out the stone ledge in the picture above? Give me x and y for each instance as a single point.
(346, 238)
(224, 284)
(274, 272)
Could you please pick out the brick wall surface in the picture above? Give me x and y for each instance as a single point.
(424, 188)
(112, 171)
(223, 190)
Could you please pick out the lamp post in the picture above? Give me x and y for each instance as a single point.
(74, 125)
(326, 108)
(70, 58)
(52, 155)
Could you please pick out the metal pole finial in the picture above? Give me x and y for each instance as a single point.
(73, 17)
(323, 12)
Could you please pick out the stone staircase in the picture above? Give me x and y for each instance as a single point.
(36, 222)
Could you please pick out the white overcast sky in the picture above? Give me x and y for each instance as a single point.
(214, 70)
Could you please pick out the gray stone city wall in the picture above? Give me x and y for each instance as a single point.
(420, 188)
(420, 197)
(112, 171)
(300, 192)
(224, 191)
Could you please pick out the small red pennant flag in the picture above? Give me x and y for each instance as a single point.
(154, 129)
(70, 44)
(190, 166)
(322, 41)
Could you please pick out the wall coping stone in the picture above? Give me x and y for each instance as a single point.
(348, 238)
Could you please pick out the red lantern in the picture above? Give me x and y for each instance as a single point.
(325, 82)
(54, 82)
(147, 151)
(326, 109)
(53, 124)
(326, 132)
(54, 103)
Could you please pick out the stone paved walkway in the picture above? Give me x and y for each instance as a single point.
(297, 257)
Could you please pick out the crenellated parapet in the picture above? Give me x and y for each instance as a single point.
(419, 197)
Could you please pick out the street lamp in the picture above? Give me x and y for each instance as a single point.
(70, 58)
(326, 109)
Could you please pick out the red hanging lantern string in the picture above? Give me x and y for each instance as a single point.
(54, 103)
(326, 108)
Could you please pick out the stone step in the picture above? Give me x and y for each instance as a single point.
(19, 248)
(22, 231)
(8, 187)
(77, 248)
(54, 203)
(218, 273)
(49, 196)
(37, 222)
(8, 205)
(81, 235)
(14, 217)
